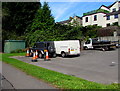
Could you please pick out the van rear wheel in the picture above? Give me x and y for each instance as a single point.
(63, 54)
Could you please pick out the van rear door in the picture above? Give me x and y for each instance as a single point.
(74, 47)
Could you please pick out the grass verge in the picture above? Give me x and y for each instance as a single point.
(57, 79)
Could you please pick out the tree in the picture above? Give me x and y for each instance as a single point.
(18, 15)
(43, 19)
(42, 26)
(90, 31)
(74, 33)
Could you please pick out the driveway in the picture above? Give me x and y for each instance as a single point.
(92, 65)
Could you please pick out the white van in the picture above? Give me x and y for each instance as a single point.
(67, 47)
(64, 48)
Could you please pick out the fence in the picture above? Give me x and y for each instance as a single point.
(11, 45)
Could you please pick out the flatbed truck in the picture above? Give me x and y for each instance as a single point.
(98, 44)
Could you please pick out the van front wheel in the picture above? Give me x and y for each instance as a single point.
(54, 55)
(63, 54)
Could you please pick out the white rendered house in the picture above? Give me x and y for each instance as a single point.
(104, 16)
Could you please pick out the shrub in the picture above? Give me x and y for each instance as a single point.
(18, 51)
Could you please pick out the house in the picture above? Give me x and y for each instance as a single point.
(73, 21)
(104, 16)
(108, 31)
(66, 22)
(76, 20)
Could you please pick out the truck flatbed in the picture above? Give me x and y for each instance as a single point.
(94, 44)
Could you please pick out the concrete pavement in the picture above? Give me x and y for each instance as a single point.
(16, 79)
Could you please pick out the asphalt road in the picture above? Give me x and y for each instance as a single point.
(15, 79)
(92, 65)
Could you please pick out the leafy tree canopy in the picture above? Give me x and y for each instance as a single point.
(18, 15)
(42, 26)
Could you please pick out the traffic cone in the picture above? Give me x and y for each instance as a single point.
(34, 57)
(27, 54)
(46, 56)
(36, 54)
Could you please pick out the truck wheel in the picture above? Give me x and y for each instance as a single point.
(103, 49)
(85, 48)
(114, 47)
(40, 55)
(106, 48)
(54, 55)
(63, 54)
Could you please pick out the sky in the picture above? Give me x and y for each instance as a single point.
(63, 10)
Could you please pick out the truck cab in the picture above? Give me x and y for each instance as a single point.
(88, 44)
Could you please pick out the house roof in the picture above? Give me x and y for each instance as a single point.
(109, 5)
(94, 13)
(104, 6)
(113, 13)
(108, 29)
(63, 22)
(67, 21)
(79, 17)
(113, 4)
(111, 28)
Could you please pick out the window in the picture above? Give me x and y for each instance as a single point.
(116, 16)
(95, 17)
(108, 17)
(114, 10)
(108, 24)
(86, 19)
(87, 42)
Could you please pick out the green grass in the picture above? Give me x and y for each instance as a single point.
(57, 79)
